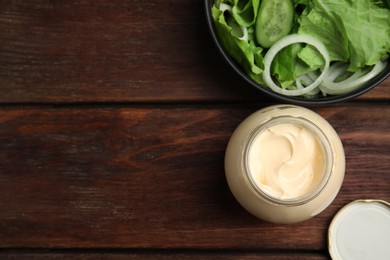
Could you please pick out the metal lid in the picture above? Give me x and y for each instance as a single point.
(361, 230)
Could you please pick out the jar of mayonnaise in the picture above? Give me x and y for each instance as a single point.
(285, 164)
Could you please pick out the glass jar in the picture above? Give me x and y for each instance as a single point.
(267, 193)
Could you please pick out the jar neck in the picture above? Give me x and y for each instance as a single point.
(326, 151)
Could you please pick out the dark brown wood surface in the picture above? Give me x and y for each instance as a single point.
(187, 255)
(114, 119)
(115, 51)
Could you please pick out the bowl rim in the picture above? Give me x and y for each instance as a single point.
(289, 99)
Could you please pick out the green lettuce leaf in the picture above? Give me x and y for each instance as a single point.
(286, 65)
(245, 11)
(358, 31)
(294, 61)
(311, 57)
(245, 53)
(322, 26)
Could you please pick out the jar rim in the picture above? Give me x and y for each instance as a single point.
(321, 138)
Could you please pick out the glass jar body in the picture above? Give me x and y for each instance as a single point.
(278, 210)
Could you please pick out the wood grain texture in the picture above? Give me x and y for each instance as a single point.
(77, 51)
(106, 151)
(156, 255)
(141, 177)
(116, 51)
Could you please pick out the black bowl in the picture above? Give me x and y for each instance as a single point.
(289, 99)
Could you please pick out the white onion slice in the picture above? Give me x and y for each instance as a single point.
(352, 83)
(337, 69)
(307, 80)
(225, 7)
(284, 42)
(245, 36)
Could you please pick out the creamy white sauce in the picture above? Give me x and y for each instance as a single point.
(286, 161)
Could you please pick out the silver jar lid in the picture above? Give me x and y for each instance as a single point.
(361, 230)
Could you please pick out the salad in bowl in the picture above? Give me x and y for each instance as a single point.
(322, 50)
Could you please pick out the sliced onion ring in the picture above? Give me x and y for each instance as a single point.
(284, 42)
(352, 83)
(225, 7)
(336, 70)
(308, 79)
(245, 36)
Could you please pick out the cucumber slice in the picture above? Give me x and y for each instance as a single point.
(274, 21)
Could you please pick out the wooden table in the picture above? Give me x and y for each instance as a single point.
(114, 119)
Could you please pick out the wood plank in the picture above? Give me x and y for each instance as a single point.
(116, 51)
(155, 254)
(139, 177)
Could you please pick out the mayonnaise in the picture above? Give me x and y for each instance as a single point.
(286, 161)
(284, 164)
